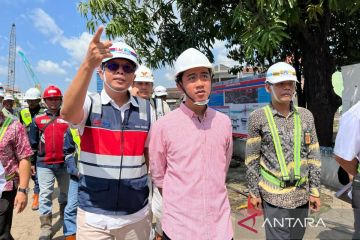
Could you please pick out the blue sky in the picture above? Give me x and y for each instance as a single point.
(54, 38)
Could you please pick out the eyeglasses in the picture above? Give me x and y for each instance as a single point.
(126, 67)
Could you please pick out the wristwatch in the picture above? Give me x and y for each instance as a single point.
(23, 190)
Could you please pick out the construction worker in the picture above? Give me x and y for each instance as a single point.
(33, 99)
(144, 82)
(8, 106)
(72, 153)
(15, 153)
(113, 190)
(190, 150)
(46, 135)
(347, 154)
(160, 92)
(282, 157)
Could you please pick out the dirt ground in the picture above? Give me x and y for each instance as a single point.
(337, 214)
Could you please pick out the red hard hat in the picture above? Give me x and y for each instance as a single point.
(52, 91)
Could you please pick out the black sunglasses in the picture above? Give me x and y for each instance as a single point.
(126, 67)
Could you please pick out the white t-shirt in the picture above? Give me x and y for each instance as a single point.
(109, 221)
(347, 144)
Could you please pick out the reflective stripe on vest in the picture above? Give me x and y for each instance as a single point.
(96, 106)
(26, 116)
(274, 180)
(278, 147)
(3, 129)
(76, 138)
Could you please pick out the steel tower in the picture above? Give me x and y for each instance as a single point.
(12, 54)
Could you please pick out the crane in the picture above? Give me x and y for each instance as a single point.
(30, 71)
(12, 54)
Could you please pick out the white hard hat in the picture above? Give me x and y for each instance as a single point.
(8, 96)
(122, 50)
(280, 72)
(32, 94)
(191, 58)
(160, 91)
(144, 74)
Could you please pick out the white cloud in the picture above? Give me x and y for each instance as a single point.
(170, 75)
(77, 47)
(65, 63)
(46, 25)
(220, 54)
(3, 70)
(218, 44)
(49, 67)
(3, 59)
(68, 79)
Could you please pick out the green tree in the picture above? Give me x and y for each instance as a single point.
(321, 34)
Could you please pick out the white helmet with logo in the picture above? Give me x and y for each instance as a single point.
(32, 94)
(144, 74)
(191, 58)
(9, 96)
(122, 50)
(160, 91)
(280, 72)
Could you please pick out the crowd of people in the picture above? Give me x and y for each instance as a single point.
(122, 159)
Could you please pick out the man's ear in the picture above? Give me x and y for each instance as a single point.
(179, 87)
(267, 88)
(101, 72)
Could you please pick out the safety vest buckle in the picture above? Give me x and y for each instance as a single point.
(286, 182)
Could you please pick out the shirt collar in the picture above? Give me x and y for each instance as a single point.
(190, 112)
(105, 99)
(292, 110)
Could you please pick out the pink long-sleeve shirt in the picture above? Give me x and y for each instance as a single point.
(189, 160)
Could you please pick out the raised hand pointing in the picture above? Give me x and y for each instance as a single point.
(97, 50)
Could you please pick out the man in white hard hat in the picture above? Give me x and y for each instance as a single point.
(347, 154)
(33, 99)
(160, 92)
(143, 83)
(113, 190)
(190, 151)
(282, 157)
(8, 104)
